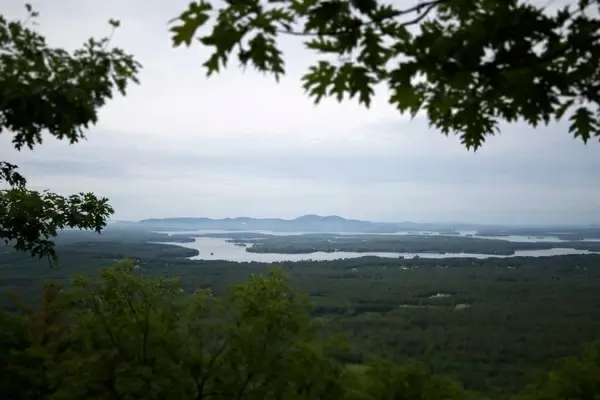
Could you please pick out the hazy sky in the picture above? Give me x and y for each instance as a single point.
(240, 144)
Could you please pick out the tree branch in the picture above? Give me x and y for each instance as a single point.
(428, 6)
(9, 174)
(200, 383)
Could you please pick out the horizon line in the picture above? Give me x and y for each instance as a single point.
(488, 224)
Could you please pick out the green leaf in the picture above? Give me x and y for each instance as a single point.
(361, 82)
(212, 64)
(365, 6)
(583, 124)
(189, 22)
(341, 82)
(318, 80)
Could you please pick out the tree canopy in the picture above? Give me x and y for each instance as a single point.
(130, 336)
(50, 91)
(467, 64)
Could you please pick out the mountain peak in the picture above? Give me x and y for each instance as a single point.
(315, 217)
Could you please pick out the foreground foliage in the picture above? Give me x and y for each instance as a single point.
(47, 90)
(128, 336)
(468, 64)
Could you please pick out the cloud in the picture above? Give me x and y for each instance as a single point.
(241, 144)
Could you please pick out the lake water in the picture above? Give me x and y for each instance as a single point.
(223, 250)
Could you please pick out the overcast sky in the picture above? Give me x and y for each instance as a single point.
(239, 144)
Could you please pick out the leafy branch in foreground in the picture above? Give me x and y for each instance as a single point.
(29, 219)
(467, 64)
(47, 90)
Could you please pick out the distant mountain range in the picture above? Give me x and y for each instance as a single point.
(305, 223)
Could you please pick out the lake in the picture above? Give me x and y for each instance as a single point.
(222, 250)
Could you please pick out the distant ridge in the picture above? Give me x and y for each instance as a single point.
(304, 223)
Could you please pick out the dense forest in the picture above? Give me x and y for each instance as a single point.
(488, 323)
